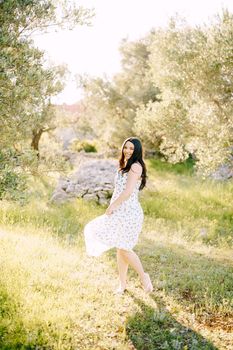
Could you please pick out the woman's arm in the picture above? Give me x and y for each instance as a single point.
(133, 176)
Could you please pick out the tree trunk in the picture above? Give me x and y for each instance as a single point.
(36, 135)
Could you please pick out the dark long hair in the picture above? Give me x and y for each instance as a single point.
(137, 156)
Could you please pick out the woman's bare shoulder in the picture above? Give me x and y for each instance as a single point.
(137, 168)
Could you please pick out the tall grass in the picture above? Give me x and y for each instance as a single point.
(199, 209)
(60, 220)
(55, 297)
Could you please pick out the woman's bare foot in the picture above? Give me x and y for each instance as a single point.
(121, 289)
(147, 285)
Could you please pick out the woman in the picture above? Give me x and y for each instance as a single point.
(122, 222)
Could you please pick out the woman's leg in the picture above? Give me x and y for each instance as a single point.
(122, 269)
(134, 261)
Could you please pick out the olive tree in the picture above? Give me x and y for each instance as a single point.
(192, 66)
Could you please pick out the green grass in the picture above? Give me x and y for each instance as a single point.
(59, 220)
(200, 210)
(52, 296)
(186, 168)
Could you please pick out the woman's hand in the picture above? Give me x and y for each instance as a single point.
(110, 209)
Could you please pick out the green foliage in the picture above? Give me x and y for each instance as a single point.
(26, 89)
(84, 145)
(193, 69)
(11, 185)
(12, 181)
(27, 83)
(110, 106)
(174, 92)
(185, 168)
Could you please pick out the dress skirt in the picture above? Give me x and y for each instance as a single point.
(118, 230)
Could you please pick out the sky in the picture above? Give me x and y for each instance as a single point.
(94, 50)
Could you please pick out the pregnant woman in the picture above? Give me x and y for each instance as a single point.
(122, 222)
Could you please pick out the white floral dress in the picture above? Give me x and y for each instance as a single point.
(120, 229)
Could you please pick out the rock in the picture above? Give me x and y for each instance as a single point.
(224, 172)
(63, 183)
(90, 196)
(80, 191)
(93, 180)
(70, 156)
(98, 189)
(103, 198)
(59, 196)
(70, 188)
(103, 201)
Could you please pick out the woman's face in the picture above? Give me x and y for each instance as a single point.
(128, 150)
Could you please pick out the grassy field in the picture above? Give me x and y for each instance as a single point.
(55, 297)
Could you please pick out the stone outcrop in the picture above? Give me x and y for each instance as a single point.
(223, 173)
(93, 180)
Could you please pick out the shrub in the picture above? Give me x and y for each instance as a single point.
(12, 185)
(84, 145)
(12, 181)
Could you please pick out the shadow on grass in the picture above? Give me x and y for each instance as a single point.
(12, 332)
(151, 329)
(198, 284)
(15, 334)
